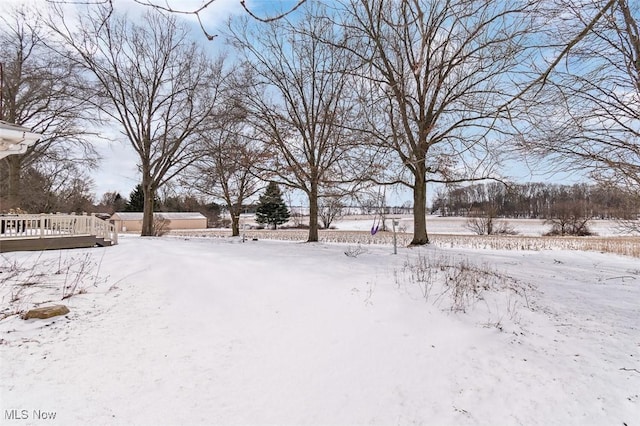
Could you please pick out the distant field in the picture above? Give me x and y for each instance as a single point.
(456, 225)
(450, 232)
(450, 225)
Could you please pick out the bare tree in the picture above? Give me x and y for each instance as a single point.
(112, 202)
(302, 102)
(42, 91)
(158, 86)
(330, 209)
(50, 187)
(374, 202)
(482, 221)
(435, 76)
(226, 167)
(629, 226)
(569, 217)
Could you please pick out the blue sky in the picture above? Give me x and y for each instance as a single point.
(118, 170)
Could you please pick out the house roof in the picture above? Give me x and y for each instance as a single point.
(11, 126)
(159, 215)
(15, 139)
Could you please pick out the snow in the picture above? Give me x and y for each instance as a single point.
(215, 331)
(457, 225)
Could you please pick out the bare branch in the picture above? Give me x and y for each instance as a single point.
(208, 3)
(195, 13)
(272, 18)
(543, 77)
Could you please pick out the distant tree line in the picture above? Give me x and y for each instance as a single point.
(536, 200)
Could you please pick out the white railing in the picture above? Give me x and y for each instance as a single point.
(24, 226)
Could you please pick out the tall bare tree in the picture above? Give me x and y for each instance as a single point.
(302, 102)
(435, 74)
(154, 82)
(44, 92)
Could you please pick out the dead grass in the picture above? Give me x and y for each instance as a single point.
(459, 284)
(626, 246)
(35, 280)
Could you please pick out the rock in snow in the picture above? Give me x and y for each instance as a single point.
(46, 312)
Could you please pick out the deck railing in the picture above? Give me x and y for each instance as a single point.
(24, 226)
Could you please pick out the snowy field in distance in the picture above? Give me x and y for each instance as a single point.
(456, 225)
(214, 331)
(448, 225)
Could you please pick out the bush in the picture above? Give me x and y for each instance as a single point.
(461, 283)
(160, 226)
(488, 226)
(569, 218)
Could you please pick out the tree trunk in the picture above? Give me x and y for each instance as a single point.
(235, 225)
(234, 211)
(420, 236)
(13, 194)
(313, 213)
(147, 212)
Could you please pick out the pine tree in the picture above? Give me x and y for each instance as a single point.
(136, 201)
(271, 207)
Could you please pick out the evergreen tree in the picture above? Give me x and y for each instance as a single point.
(271, 207)
(119, 203)
(136, 201)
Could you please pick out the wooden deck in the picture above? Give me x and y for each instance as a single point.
(54, 232)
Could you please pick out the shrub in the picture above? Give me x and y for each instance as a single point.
(483, 222)
(461, 282)
(569, 218)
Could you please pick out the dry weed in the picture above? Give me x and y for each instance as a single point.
(626, 246)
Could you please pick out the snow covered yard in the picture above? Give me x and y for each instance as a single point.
(215, 331)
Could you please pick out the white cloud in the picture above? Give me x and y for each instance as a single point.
(118, 170)
(212, 17)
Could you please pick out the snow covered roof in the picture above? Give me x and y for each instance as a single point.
(159, 215)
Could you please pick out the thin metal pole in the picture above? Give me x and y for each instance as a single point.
(395, 240)
(1, 91)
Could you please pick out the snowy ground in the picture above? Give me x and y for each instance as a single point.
(215, 331)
